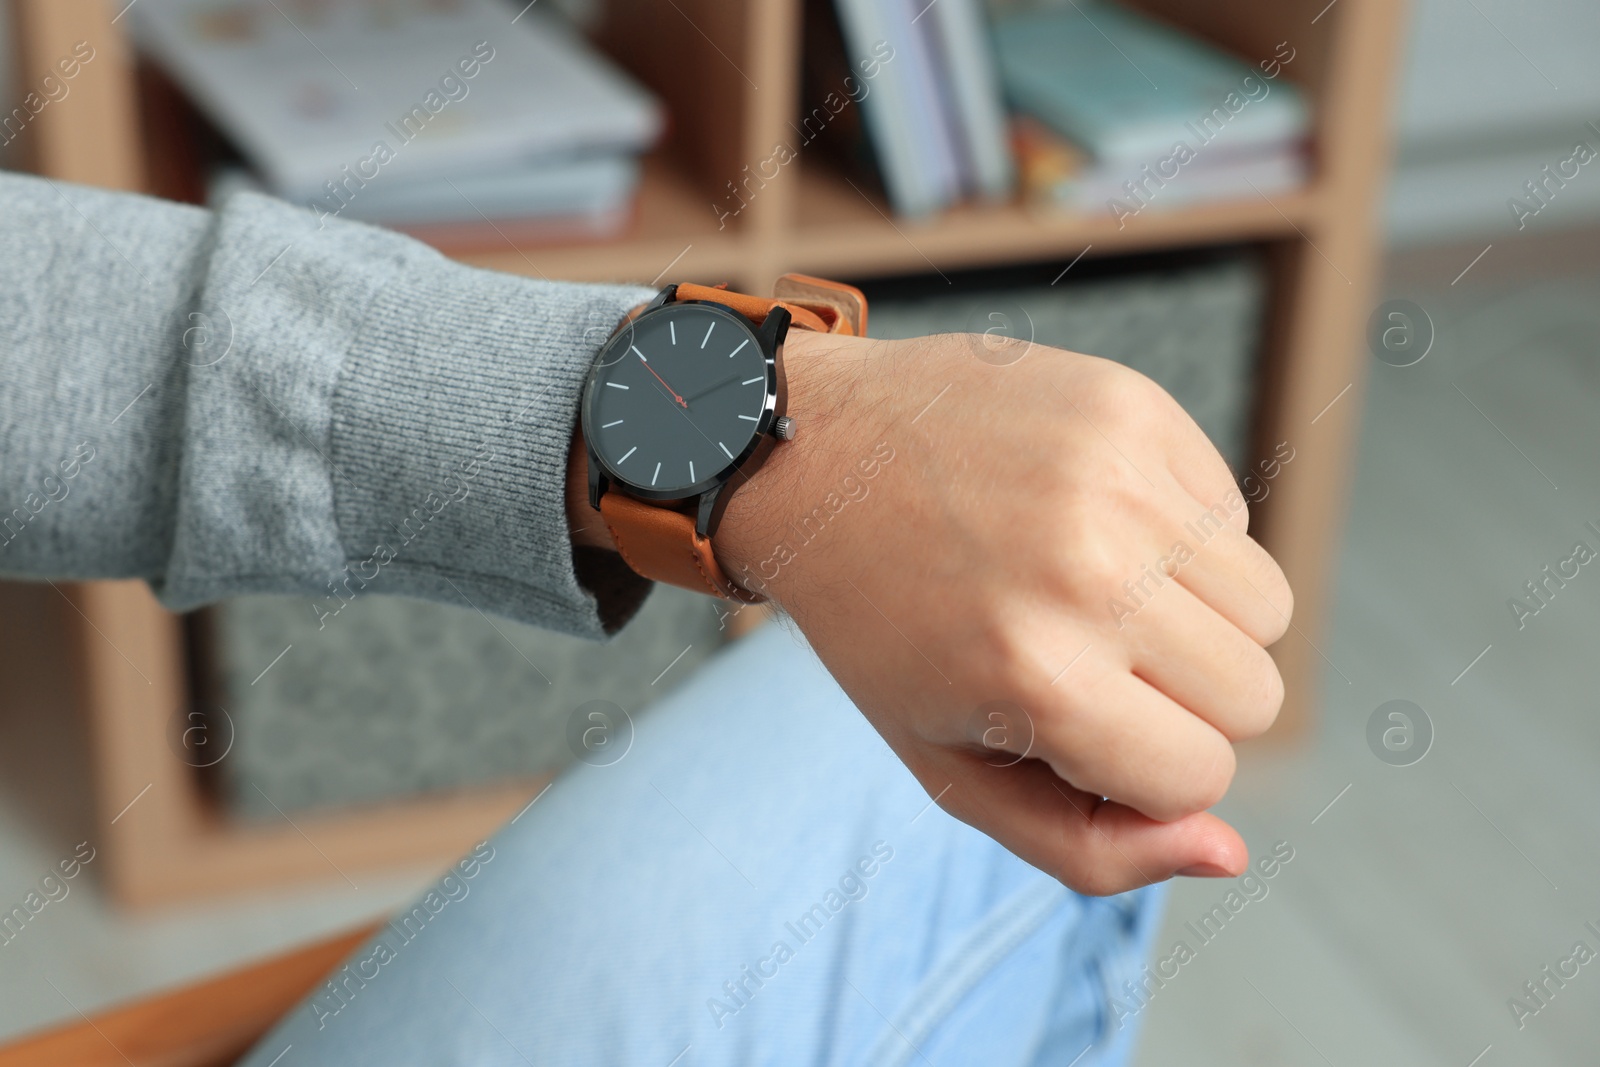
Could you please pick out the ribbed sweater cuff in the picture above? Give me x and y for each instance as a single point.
(452, 421)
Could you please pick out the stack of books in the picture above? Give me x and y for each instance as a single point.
(1082, 105)
(460, 121)
(1120, 113)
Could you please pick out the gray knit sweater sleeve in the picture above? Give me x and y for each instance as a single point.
(243, 401)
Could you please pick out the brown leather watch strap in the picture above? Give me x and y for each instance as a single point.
(659, 541)
(813, 303)
(754, 308)
(663, 545)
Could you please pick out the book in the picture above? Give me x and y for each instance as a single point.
(930, 117)
(974, 92)
(587, 188)
(1055, 173)
(826, 69)
(874, 37)
(314, 93)
(1125, 87)
(1048, 165)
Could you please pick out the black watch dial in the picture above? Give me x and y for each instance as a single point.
(677, 399)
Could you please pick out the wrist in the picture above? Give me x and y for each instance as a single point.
(757, 540)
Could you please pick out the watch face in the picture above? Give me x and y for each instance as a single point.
(677, 399)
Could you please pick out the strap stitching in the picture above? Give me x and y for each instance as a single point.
(729, 589)
(699, 566)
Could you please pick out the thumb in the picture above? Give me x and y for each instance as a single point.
(1092, 845)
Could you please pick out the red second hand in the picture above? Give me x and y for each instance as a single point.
(663, 381)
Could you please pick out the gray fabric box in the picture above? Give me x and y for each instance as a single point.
(394, 697)
(1195, 330)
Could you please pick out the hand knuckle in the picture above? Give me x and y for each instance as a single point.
(1200, 790)
(1259, 695)
(1270, 695)
(1276, 619)
(1211, 786)
(1010, 658)
(1058, 740)
(1126, 392)
(1097, 570)
(1285, 602)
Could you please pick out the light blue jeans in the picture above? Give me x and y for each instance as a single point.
(756, 880)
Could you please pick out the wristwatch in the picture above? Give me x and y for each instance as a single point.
(683, 404)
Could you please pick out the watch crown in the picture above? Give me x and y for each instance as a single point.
(783, 429)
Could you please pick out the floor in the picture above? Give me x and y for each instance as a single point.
(1418, 899)
(1422, 897)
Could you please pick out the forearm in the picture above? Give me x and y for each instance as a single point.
(274, 407)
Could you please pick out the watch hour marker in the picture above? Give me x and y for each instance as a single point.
(628, 453)
(656, 475)
(616, 385)
(691, 462)
(736, 350)
(752, 381)
(608, 425)
(724, 449)
(673, 326)
(749, 418)
(713, 326)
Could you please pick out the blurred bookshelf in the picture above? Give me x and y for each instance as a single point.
(729, 76)
(843, 230)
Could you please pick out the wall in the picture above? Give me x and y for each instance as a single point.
(1492, 92)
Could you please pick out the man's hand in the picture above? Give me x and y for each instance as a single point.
(1043, 598)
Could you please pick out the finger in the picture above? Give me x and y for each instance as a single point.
(1163, 442)
(1115, 735)
(1093, 846)
(1205, 663)
(1237, 578)
(1213, 557)
(1200, 470)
